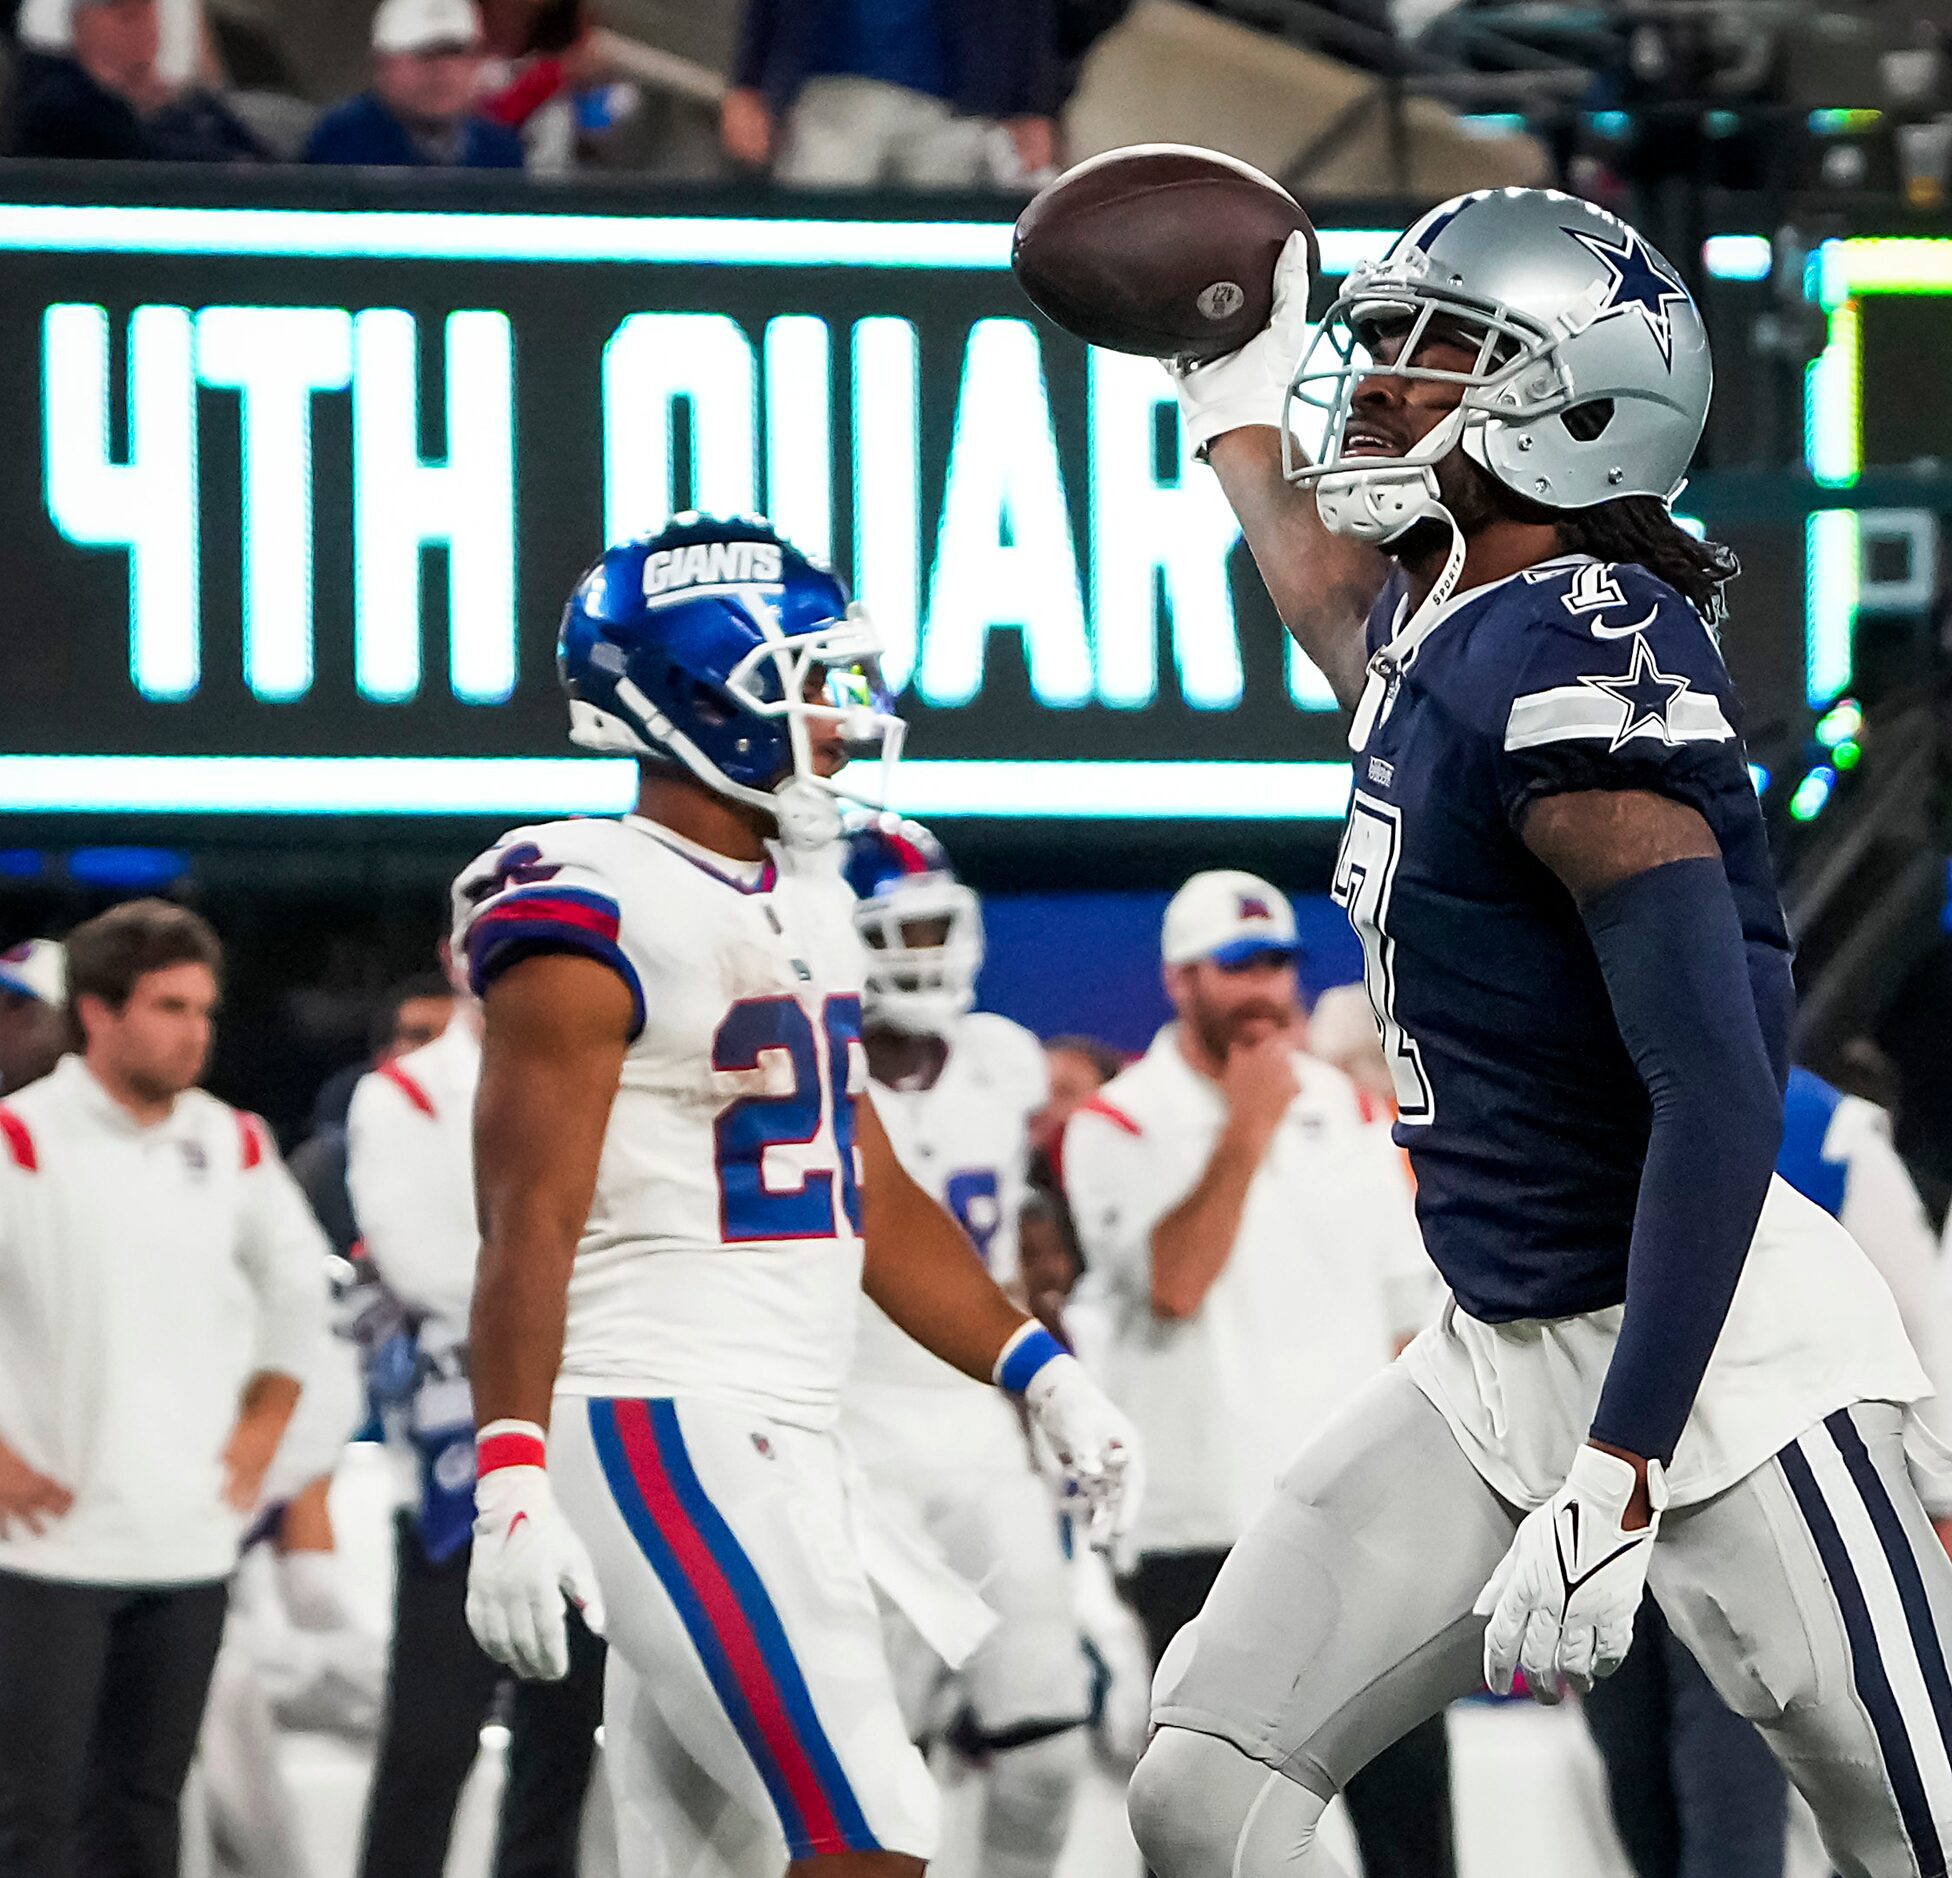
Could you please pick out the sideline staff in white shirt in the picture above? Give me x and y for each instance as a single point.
(410, 1171)
(161, 1289)
(1249, 1231)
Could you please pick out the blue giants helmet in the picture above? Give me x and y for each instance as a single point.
(923, 929)
(711, 646)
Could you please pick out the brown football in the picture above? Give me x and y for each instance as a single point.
(1159, 249)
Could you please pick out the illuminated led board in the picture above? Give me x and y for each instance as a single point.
(1842, 275)
(311, 482)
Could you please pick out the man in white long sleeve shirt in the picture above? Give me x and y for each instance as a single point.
(410, 1171)
(162, 1284)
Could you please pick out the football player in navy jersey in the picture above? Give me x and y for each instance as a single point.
(1659, 1366)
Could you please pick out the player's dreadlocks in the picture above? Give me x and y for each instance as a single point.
(1640, 529)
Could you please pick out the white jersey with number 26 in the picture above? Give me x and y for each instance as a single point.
(722, 1257)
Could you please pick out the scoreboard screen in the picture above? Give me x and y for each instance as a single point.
(294, 495)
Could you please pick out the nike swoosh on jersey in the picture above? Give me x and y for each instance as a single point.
(1624, 632)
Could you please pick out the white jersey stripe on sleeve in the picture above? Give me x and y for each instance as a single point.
(1575, 713)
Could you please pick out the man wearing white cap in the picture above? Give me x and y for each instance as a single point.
(1252, 1243)
(419, 114)
(33, 1002)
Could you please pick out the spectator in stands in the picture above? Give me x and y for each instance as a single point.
(165, 1292)
(547, 81)
(104, 97)
(33, 995)
(935, 94)
(419, 113)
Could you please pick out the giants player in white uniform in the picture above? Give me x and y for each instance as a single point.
(956, 1089)
(683, 1189)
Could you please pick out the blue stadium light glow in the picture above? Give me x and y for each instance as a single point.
(1737, 257)
(571, 785)
(128, 870)
(1812, 793)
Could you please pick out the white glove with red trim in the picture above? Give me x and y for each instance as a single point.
(1094, 1443)
(1250, 386)
(1562, 1604)
(527, 1559)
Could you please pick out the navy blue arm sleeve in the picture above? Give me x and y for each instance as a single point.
(1671, 949)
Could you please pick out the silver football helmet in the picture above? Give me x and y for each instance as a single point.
(1592, 375)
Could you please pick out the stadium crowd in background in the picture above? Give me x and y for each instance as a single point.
(421, 110)
(103, 96)
(941, 94)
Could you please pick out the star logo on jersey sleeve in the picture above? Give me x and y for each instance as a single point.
(1638, 285)
(1646, 695)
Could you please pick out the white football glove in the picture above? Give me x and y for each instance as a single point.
(1562, 1604)
(1094, 1444)
(1249, 386)
(526, 1561)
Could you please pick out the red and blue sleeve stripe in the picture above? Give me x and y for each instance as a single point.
(732, 1622)
(550, 919)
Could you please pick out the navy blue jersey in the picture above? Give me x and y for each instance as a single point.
(1524, 1117)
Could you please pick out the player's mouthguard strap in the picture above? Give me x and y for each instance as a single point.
(1029, 1349)
(509, 1444)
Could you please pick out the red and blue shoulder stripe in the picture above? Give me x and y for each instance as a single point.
(552, 918)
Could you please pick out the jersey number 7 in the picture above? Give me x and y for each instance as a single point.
(1365, 873)
(818, 1107)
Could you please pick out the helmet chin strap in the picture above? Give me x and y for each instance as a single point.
(806, 815)
(1387, 663)
(1378, 504)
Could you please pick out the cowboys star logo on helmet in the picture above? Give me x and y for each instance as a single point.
(1640, 285)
